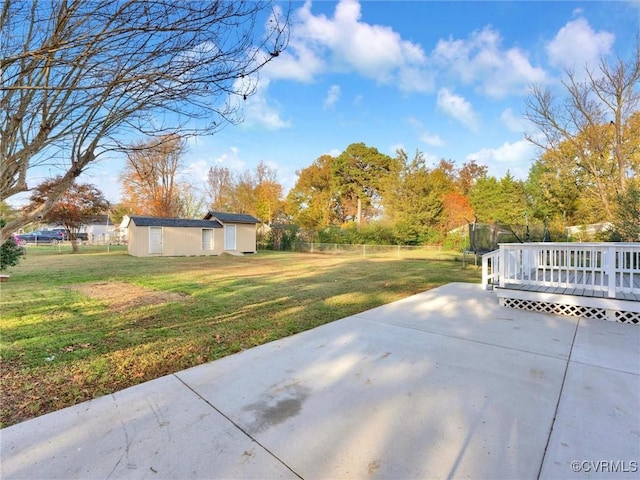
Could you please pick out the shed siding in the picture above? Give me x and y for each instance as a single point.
(177, 241)
(138, 241)
(246, 238)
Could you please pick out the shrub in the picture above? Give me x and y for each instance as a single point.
(10, 254)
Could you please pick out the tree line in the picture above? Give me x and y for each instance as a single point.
(363, 195)
(586, 172)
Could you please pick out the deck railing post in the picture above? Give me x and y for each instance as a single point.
(610, 269)
(485, 272)
(502, 265)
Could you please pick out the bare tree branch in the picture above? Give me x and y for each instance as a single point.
(79, 78)
(592, 118)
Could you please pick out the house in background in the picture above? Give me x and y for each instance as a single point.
(173, 237)
(99, 229)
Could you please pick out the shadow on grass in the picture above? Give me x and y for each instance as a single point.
(63, 348)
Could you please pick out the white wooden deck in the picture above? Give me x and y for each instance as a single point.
(600, 280)
(571, 279)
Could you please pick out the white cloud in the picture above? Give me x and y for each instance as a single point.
(298, 62)
(514, 122)
(458, 108)
(101, 174)
(332, 96)
(257, 110)
(515, 157)
(577, 45)
(198, 169)
(481, 59)
(200, 160)
(343, 43)
(231, 160)
(431, 139)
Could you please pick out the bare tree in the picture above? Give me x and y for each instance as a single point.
(150, 181)
(591, 122)
(220, 186)
(78, 78)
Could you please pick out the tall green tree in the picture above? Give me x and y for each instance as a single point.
(359, 174)
(561, 192)
(626, 220)
(503, 201)
(414, 198)
(312, 202)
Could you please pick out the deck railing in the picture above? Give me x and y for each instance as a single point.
(491, 268)
(609, 268)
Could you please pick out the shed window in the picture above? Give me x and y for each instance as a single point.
(207, 239)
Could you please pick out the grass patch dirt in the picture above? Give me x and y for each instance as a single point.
(77, 326)
(120, 296)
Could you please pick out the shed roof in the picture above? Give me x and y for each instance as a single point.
(231, 217)
(140, 221)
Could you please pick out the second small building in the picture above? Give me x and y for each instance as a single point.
(174, 237)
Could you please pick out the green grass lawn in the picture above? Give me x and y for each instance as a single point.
(77, 326)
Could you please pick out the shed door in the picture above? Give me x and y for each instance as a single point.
(229, 237)
(155, 239)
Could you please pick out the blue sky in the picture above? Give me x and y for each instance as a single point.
(446, 78)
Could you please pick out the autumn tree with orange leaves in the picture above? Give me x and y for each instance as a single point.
(80, 204)
(150, 180)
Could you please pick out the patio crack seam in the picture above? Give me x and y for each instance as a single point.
(240, 428)
(555, 413)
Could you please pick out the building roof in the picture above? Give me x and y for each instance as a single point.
(99, 220)
(140, 221)
(231, 217)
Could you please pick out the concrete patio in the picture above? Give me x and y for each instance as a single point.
(444, 384)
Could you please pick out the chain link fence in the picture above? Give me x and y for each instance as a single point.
(409, 252)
